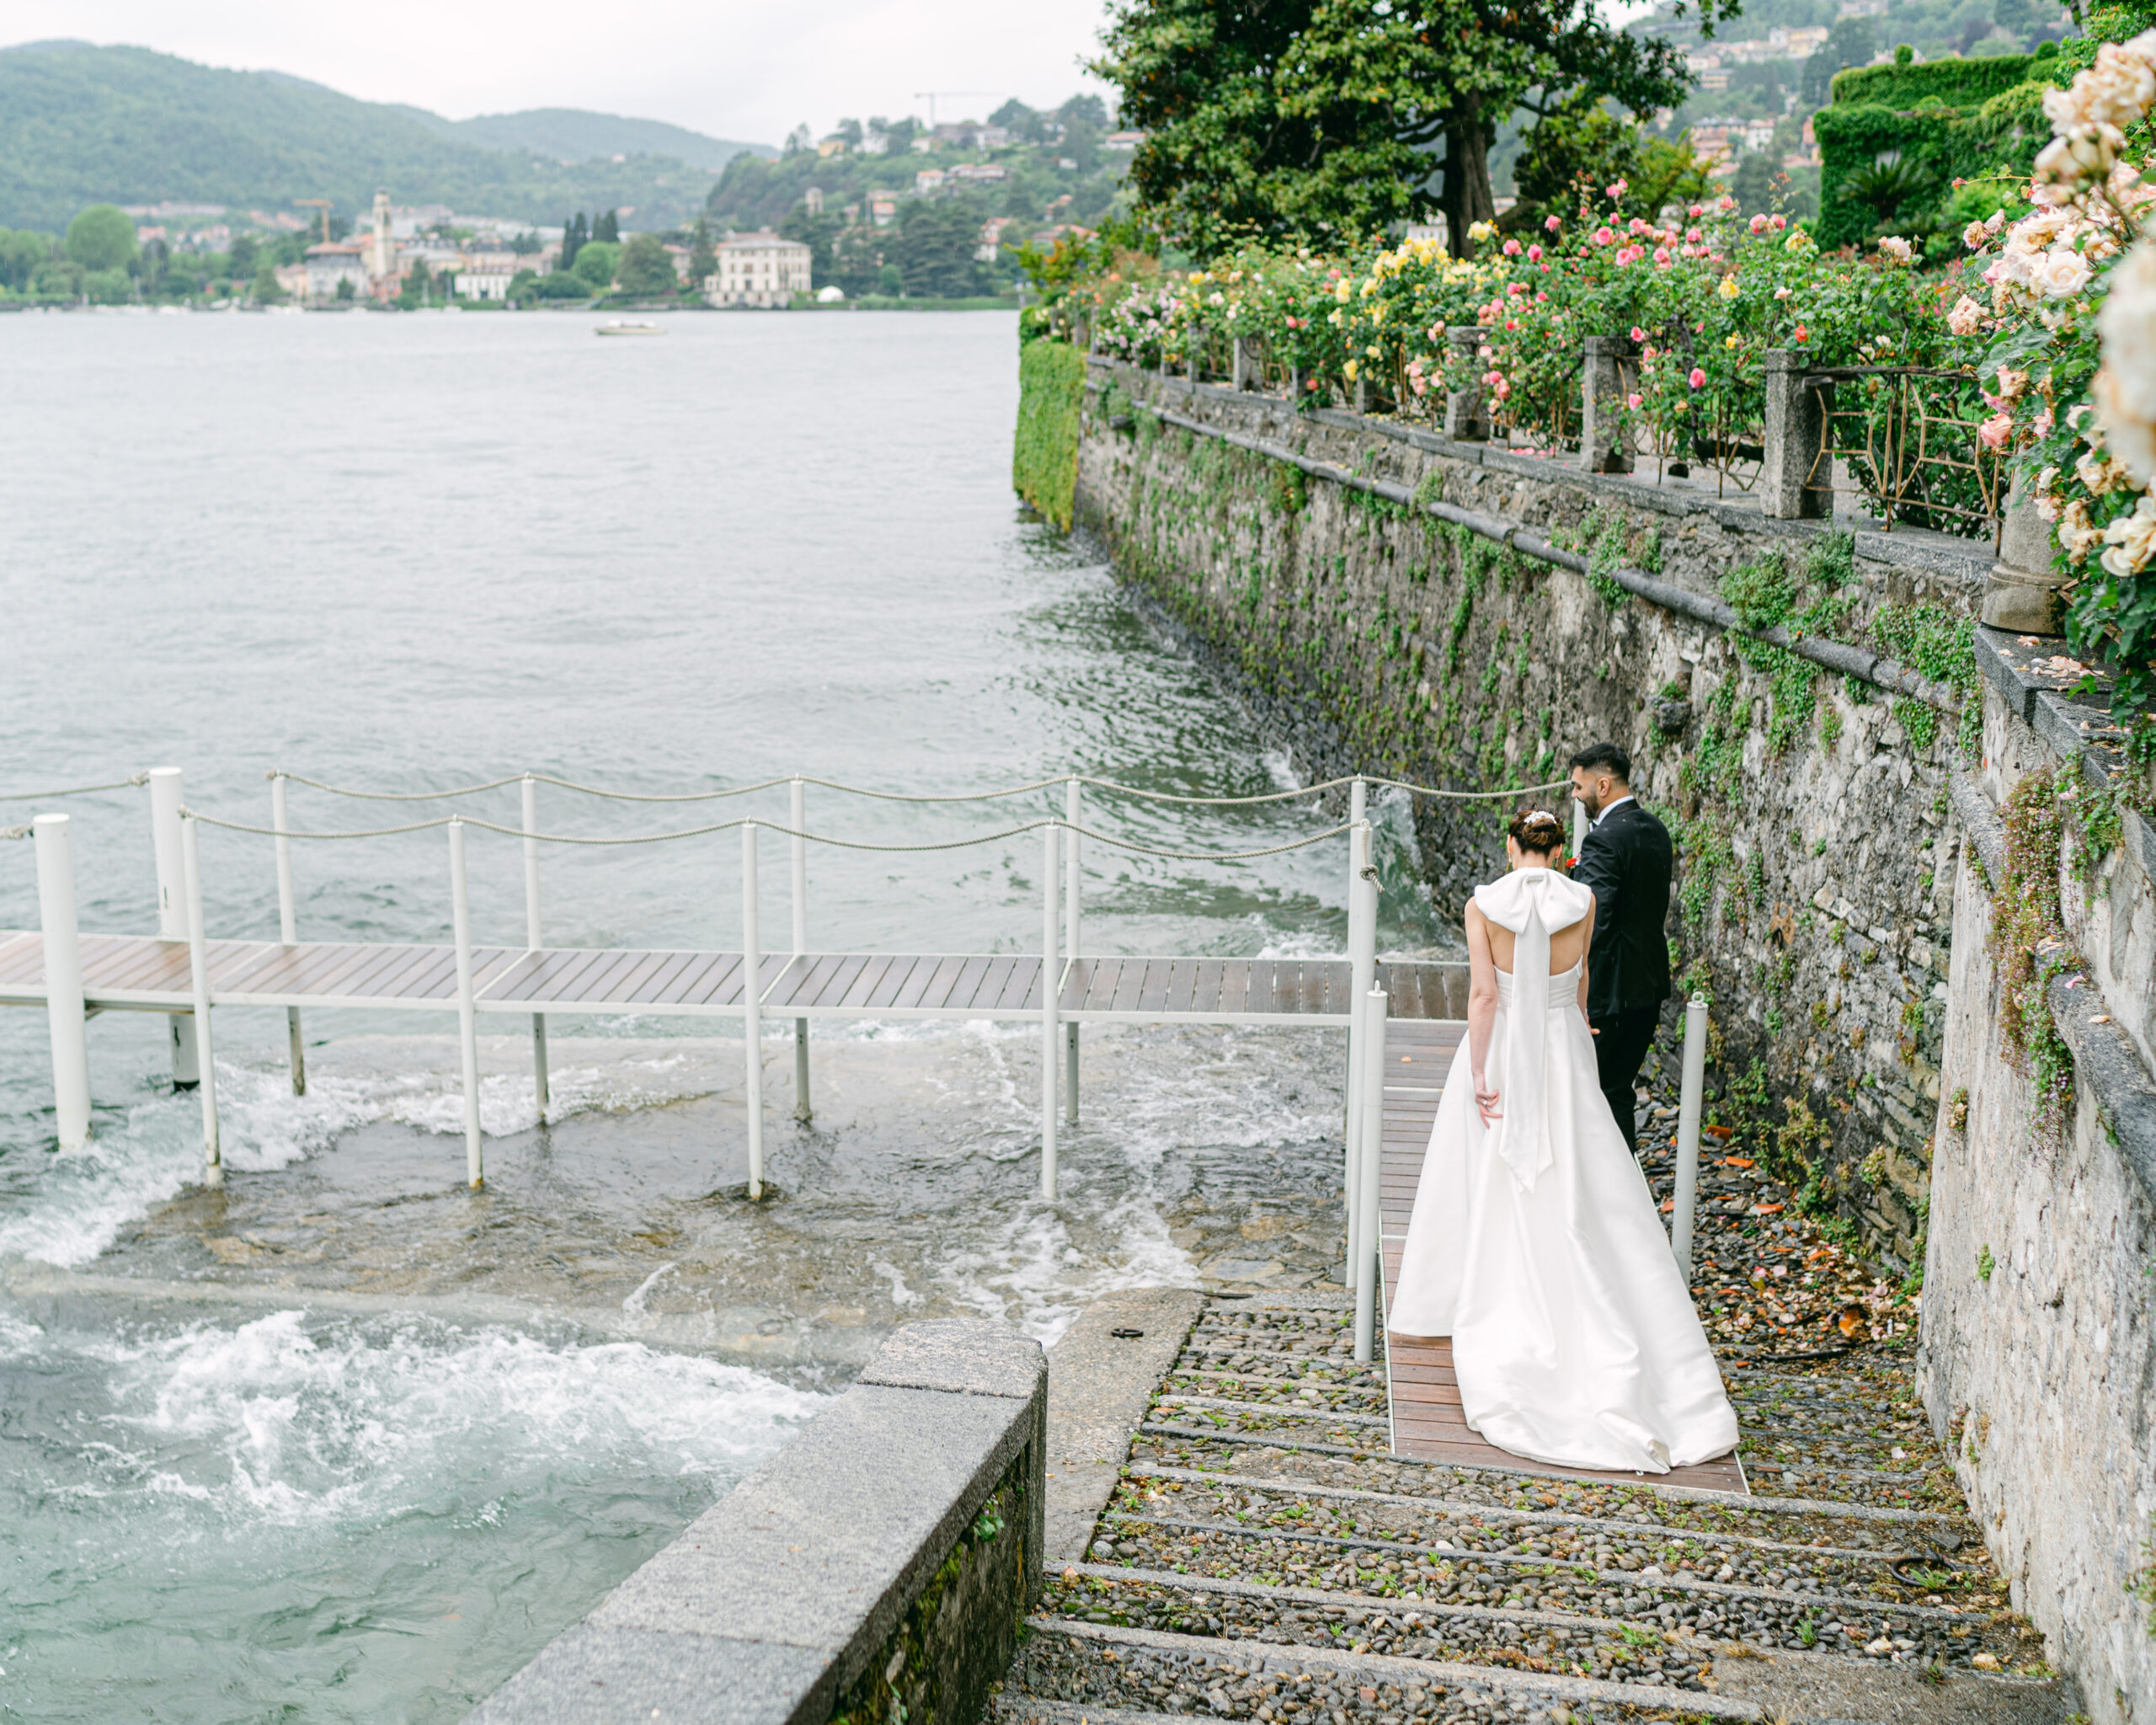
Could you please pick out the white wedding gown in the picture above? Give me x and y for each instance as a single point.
(1536, 1246)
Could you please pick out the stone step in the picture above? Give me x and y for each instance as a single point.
(1761, 1544)
(1149, 1672)
(1184, 1443)
(1435, 1578)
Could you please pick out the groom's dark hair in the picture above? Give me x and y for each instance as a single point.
(1605, 757)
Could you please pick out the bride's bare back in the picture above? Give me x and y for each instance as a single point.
(1567, 946)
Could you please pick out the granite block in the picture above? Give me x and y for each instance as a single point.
(961, 1356)
(821, 1546)
(608, 1676)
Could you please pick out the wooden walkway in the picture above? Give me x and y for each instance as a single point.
(142, 974)
(1426, 1422)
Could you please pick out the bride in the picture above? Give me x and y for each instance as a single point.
(1534, 1242)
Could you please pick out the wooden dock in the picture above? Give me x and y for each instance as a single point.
(142, 974)
(1424, 1392)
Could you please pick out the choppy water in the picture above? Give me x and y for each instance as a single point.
(346, 1440)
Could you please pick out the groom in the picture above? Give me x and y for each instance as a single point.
(1624, 861)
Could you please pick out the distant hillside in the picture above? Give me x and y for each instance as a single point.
(81, 124)
(577, 134)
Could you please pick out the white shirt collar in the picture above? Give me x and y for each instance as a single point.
(1620, 801)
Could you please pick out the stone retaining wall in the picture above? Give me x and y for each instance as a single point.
(876, 1569)
(1840, 853)
(1819, 843)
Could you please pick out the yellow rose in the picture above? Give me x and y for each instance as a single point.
(1728, 289)
(1348, 370)
(1729, 341)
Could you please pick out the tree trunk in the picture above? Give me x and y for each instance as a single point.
(1467, 198)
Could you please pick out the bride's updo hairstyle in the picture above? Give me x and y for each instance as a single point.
(1537, 831)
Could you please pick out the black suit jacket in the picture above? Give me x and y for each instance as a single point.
(1625, 863)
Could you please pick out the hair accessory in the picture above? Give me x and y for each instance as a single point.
(1539, 814)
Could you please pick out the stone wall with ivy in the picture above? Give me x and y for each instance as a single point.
(1817, 846)
(2036, 1350)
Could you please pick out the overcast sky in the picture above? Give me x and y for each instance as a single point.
(727, 67)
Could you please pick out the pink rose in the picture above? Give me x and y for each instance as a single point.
(1800, 336)
(1726, 203)
(1699, 378)
(1535, 254)
(1661, 256)
(1638, 333)
(1631, 401)
(1692, 235)
(1996, 430)
(1552, 224)
(1512, 248)
(1777, 222)
(1615, 189)
(1757, 224)
(1603, 237)
(1699, 209)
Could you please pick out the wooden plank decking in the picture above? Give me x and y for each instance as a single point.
(1426, 1422)
(140, 973)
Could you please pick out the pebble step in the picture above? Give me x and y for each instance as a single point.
(1266, 1557)
(1151, 1672)
(1430, 1583)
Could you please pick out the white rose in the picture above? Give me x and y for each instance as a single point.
(2128, 328)
(2062, 273)
(2131, 438)
(2131, 539)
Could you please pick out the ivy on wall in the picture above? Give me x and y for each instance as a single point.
(1044, 452)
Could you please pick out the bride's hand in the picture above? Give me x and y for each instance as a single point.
(1485, 1102)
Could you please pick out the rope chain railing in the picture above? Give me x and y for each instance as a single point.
(118, 784)
(1061, 780)
(690, 832)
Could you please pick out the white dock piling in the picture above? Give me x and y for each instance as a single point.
(802, 1111)
(198, 955)
(752, 1014)
(541, 1085)
(467, 1010)
(172, 909)
(1070, 813)
(1051, 1001)
(1691, 1098)
(1362, 958)
(288, 924)
(1370, 1243)
(63, 979)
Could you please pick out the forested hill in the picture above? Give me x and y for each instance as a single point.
(81, 124)
(568, 134)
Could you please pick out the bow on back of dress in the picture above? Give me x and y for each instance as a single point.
(1532, 903)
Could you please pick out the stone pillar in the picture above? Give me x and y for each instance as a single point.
(1241, 362)
(1790, 489)
(1602, 447)
(1294, 383)
(1362, 392)
(2022, 591)
(1467, 410)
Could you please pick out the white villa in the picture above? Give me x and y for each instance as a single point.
(757, 270)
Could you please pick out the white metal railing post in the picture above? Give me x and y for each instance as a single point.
(197, 958)
(1579, 827)
(1689, 1100)
(287, 923)
(752, 1014)
(1362, 971)
(541, 1080)
(802, 1111)
(1070, 813)
(166, 842)
(467, 1010)
(1051, 999)
(64, 1011)
(1370, 1250)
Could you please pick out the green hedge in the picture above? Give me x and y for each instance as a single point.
(1945, 119)
(1958, 83)
(1044, 454)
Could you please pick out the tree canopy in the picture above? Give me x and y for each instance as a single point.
(101, 238)
(646, 266)
(1323, 120)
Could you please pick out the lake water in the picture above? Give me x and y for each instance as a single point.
(346, 1441)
